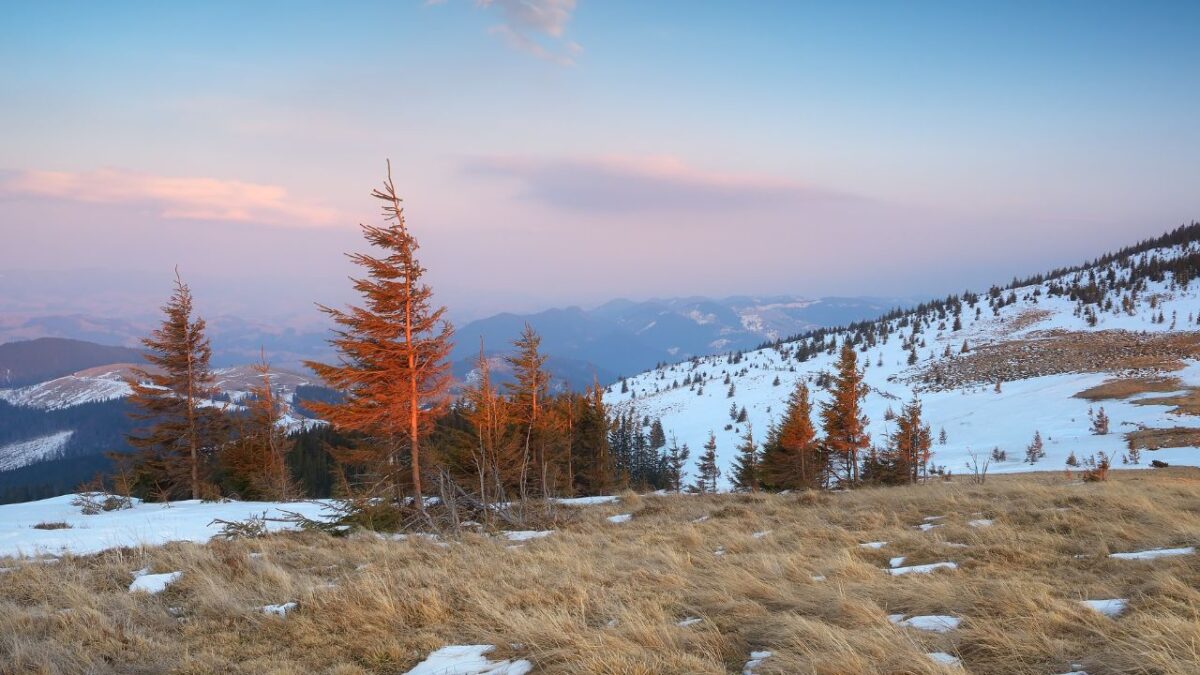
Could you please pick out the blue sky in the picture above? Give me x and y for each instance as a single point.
(566, 152)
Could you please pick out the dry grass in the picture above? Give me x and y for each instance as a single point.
(597, 597)
(1122, 388)
(1171, 437)
(1051, 352)
(1187, 403)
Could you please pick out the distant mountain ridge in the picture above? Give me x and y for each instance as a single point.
(623, 337)
(33, 361)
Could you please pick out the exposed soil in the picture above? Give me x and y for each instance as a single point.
(1124, 353)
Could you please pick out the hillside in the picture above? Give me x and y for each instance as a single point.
(1025, 574)
(53, 434)
(622, 337)
(32, 361)
(1119, 332)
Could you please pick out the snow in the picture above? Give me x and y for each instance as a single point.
(144, 582)
(925, 527)
(468, 660)
(690, 621)
(622, 518)
(279, 610)
(1154, 553)
(526, 535)
(976, 418)
(146, 524)
(981, 522)
(1111, 608)
(587, 501)
(82, 387)
(17, 455)
(945, 659)
(896, 562)
(760, 535)
(756, 659)
(874, 544)
(921, 569)
(936, 623)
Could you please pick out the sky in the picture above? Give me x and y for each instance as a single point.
(557, 152)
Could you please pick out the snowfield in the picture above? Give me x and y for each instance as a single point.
(17, 455)
(976, 418)
(146, 524)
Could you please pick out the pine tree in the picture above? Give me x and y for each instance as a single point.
(392, 366)
(181, 435)
(792, 457)
(677, 457)
(1036, 449)
(256, 462)
(707, 471)
(747, 465)
(1100, 423)
(911, 443)
(844, 422)
(487, 415)
(528, 392)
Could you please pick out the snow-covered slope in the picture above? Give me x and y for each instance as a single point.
(17, 455)
(1030, 340)
(102, 383)
(146, 524)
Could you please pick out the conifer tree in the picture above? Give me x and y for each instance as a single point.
(392, 367)
(792, 457)
(1036, 449)
(591, 443)
(528, 392)
(486, 414)
(707, 471)
(257, 459)
(747, 464)
(1100, 423)
(844, 422)
(677, 457)
(911, 443)
(180, 434)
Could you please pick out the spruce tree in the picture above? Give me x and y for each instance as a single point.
(677, 457)
(528, 392)
(392, 367)
(844, 422)
(707, 471)
(792, 457)
(181, 434)
(747, 465)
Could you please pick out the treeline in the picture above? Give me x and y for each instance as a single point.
(395, 435)
(794, 456)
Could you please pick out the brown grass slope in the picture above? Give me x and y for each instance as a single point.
(598, 597)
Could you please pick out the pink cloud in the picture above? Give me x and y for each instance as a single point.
(662, 183)
(177, 198)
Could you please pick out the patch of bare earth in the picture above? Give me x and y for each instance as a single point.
(1125, 353)
(1172, 437)
(791, 578)
(1121, 388)
(1026, 319)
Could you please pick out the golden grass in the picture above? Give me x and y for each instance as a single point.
(1170, 437)
(1129, 386)
(1187, 403)
(597, 597)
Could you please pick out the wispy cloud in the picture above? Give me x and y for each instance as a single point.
(536, 27)
(630, 184)
(179, 198)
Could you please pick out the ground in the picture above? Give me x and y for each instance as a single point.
(688, 584)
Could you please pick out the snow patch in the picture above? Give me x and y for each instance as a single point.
(921, 569)
(468, 660)
(143, 582)
(1154, 553)
(1113, 607)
